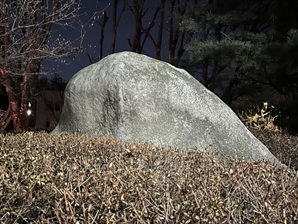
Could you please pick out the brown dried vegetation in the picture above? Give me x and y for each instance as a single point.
(90, 179)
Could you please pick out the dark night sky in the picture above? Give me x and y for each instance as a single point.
(92, 37)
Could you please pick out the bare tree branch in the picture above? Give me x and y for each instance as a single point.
(27, 37)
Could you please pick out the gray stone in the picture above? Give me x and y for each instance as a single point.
(136, 98)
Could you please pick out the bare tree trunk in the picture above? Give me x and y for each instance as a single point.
(115, 25)
(175, 50)
(174, 36)
(137, 10)
(205, 71)
(228, 94)
(24, 102)
(160, 30)
(171, 32)
(116, 22)
(5, 119)
(13, 102)
(102, 33)
(12, 99)
(215, 69)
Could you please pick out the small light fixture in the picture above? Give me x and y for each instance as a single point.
(29, 112)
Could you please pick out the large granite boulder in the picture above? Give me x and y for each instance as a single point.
(134, 97)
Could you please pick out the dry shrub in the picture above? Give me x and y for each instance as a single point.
(283, 146)
(266, 117)
(90, 179)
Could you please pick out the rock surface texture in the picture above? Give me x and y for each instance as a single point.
(136, 98)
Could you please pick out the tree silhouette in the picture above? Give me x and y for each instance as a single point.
(27, 37)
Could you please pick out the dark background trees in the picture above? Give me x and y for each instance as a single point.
(143, 26)
(228, 45)
(245, 50)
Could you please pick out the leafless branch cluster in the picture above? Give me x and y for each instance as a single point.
(27, 31)
(159, 26)
(28, 35)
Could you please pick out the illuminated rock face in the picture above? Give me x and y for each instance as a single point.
(136, 98)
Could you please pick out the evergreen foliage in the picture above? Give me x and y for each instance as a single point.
(239, 47)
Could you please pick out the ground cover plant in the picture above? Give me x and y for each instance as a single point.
(76, 178)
